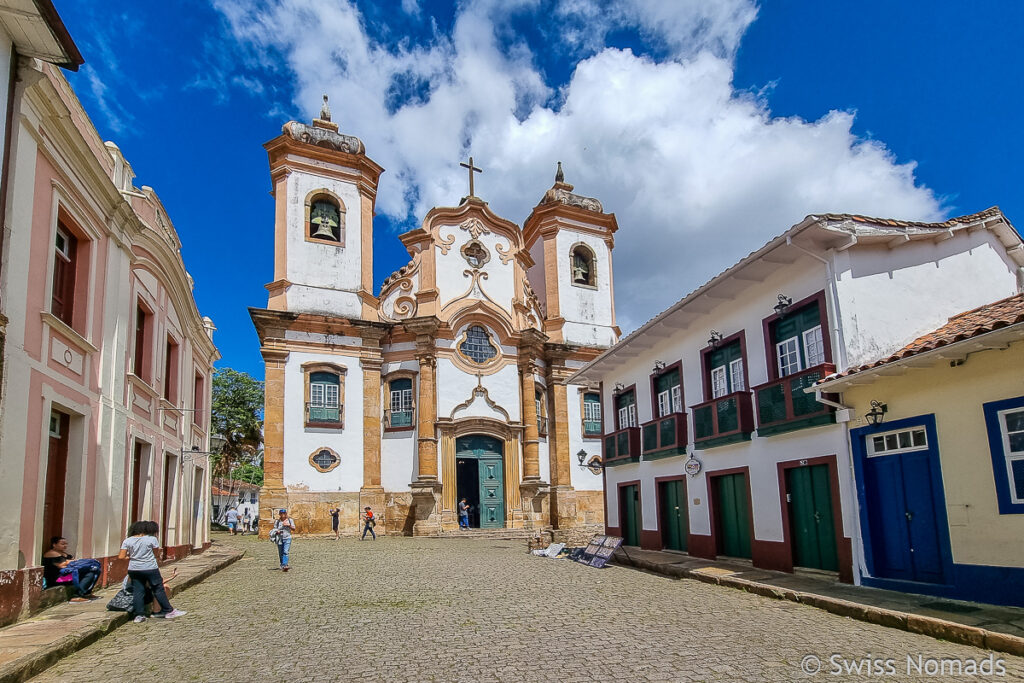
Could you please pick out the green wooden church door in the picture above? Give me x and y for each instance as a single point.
(812, 526)
(674, 517)
(486, 451)
(733, 515)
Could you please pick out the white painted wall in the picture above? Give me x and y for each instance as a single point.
(324, 277)
(587, 312)
(300, 441)
(889, 297)
(454, 386)
(452, 281)
(582, 479)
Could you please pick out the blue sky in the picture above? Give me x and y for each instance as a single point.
(706, 127)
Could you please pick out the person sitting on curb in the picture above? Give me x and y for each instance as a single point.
(82, 574)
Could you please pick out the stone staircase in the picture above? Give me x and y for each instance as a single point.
(494, 534)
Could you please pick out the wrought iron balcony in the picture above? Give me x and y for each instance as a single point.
(664, 436)
(319, 415)
(784, 406)
(621, 447)
(723, 420)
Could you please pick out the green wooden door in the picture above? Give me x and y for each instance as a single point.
(492, 499)
(674, 519)
(733, 515)
(629, 515)
(812, 526)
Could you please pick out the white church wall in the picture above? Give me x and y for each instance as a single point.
(587, 311)
(582, 479)
(453, 283)
(454, 386)
(300, 441)
(889, 297)
(397, 460)
(324, 276)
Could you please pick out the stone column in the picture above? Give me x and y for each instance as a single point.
(426, 489)
(531, 447)
(563, 495)
(371, 493)
(533, 489)
(273, 494)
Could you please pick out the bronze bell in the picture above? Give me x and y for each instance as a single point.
(325, 230)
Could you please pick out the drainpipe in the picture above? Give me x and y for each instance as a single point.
(832, 301)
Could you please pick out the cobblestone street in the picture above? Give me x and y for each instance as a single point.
(468, 610)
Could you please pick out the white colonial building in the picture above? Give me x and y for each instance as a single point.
(714, 446)
(449, 384)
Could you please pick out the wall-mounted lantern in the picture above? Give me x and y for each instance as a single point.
(715, 340)
(782, 308)
(877, 413)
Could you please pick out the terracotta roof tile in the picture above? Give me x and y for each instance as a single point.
(987, 318)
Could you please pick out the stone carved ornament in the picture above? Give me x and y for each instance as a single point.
(323, 137)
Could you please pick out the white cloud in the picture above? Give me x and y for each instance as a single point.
(697, 173)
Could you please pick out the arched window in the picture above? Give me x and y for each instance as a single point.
(477, 346)
(400, 406)
(326, 219)
(583, 271)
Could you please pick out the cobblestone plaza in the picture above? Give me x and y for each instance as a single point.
(480, 610)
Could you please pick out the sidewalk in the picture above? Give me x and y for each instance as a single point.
(987, 626)
(30, 646)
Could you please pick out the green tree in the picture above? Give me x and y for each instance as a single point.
(250, 473)
(237, 416)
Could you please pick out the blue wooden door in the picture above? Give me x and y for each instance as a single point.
(904, 496)
(490, 496)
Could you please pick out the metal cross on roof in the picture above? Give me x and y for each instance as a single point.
(471, 168)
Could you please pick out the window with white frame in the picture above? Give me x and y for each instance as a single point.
(1011, 426)
(669, 393)
(591, 414)
(798, 340)
(324, 393)
(736, 380)
(719, 382)
(725, 365)
(625, 405)
(898, 441)
(400, 405)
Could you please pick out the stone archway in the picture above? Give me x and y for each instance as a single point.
(510, 437)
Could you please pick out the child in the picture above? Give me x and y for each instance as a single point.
(369, 523)
(142, 568)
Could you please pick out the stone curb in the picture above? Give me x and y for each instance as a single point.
(46, 656)
(915, 623)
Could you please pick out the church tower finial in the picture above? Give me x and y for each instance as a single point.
(325, 110)
(559, 176)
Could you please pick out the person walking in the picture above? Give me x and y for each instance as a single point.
(463, 514)
(144, 572)
(232, 519)
(335, 511)
(82, 574)
(368, 523)
(246, 523)
(283, 528)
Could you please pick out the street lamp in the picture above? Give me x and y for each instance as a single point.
(595, 465)
(877, 412)
(783, 306)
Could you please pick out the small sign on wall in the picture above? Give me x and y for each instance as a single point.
(692, 466)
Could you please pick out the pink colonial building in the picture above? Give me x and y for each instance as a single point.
(107, 363)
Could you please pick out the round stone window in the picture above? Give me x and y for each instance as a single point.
(324, 459)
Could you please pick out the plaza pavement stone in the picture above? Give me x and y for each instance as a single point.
(409, 609)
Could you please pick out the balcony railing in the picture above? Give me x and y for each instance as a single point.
(321, 415)
(723, 420)
(397, 418)
(591, 428)
(664, 436)
(622, 446)
(783, 405)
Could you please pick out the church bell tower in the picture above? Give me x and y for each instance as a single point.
(570, 238)
(325, 188)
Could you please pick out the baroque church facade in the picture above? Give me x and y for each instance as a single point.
(450, 383)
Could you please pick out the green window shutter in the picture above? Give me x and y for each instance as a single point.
(795, 324)
(323, 378)
(667, 381)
